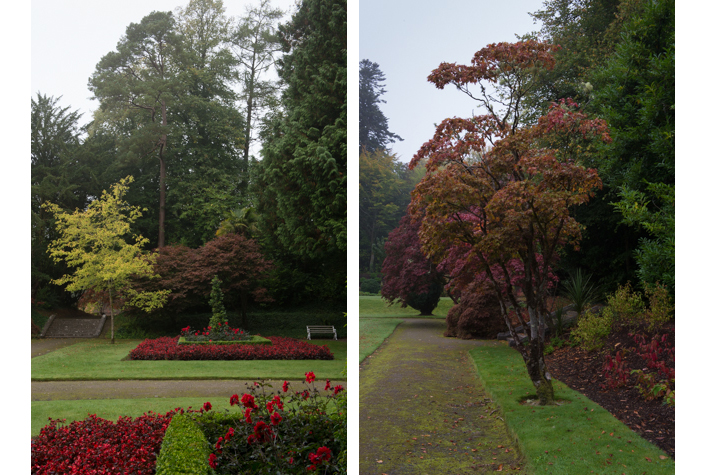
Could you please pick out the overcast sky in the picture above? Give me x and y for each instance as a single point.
(69, 37)
(410, 38)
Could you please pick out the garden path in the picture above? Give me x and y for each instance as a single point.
(423, 409)
(133, 389)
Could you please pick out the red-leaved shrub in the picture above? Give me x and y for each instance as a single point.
(477, 315)
(281, 348)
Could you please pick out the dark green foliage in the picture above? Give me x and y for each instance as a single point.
(371, 285)
(427, 301)
(374, 131)
(300, 185)
(58, 177)
(580, 289)
(219, 314)
(637, 98)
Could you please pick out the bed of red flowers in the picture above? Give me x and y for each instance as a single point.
(281, 348)
(97, 446)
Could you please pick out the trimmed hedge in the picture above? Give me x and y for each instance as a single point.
(185, 449)
(255, 340)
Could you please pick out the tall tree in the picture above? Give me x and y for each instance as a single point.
(512, 201)
(635, 93)
(206, 176)
(301, 181)
(99, 244)
(374, 131)
(138, 79)
(383, 197)
(56, 176)
(257, 45)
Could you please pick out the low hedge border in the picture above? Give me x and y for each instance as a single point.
(185, 449)
(255, 340)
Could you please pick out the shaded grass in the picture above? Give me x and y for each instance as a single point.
(373, 332)
(376, 306)
(98, 359)
(577, 436)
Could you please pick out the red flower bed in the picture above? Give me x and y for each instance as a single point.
(96, 446)
(281, 348)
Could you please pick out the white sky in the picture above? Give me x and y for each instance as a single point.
(410, 38)
(69, 37)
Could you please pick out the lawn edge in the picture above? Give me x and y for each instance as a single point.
(530, 466)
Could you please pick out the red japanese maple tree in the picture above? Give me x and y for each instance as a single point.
(504, 188)
(408, 276)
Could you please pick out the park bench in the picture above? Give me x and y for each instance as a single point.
(321, 329)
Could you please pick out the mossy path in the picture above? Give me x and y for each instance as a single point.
(423, 409)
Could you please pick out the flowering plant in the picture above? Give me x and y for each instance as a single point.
(281, 348)
(290, 432)
(219, 332)
(97, 445)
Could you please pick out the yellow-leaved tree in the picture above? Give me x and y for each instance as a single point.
(98, 243)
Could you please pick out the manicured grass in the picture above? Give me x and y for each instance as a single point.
(375, 306)
(98, 359)
(576, 437)
(112, 409)
(373, 332)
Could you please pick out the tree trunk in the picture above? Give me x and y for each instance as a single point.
(540, 377)
(244, 297)
(163, 175)
(110, 309)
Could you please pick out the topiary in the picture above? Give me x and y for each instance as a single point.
(219, 314)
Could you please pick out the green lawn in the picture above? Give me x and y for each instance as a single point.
(577, 436)
(98, 359)
(375, 306)
(378, 320)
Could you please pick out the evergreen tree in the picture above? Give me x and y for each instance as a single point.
(301, 181)
(374, 132)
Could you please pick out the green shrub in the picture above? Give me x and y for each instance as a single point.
(219, 314)
(371, 286)
(185, 449)
(626, 305)
(660, 309)
(593, 329)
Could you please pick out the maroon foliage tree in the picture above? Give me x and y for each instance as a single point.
(188, 273)
(408, 277)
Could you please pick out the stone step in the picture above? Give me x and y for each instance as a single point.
(74, 327)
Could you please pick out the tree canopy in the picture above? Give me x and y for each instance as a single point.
(511, 201)
(374, 130)
(98, 243)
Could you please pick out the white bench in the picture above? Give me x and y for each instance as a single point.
(321, 329)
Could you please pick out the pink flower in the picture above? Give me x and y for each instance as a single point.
(234, 399)
(275, 418)
(213, 461)
(207, 406)
(337, 389)
(285, 386)
(270, 406)
(277, 401)
(247, 415)
(229, 434)
(327, 384)
(310, 377)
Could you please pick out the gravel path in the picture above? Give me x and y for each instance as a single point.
(132, 389)
(423, 409)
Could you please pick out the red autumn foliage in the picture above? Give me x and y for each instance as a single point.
(188, 273)
(408, 276)
(281, 348)
(97, 446)
(505, 188)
